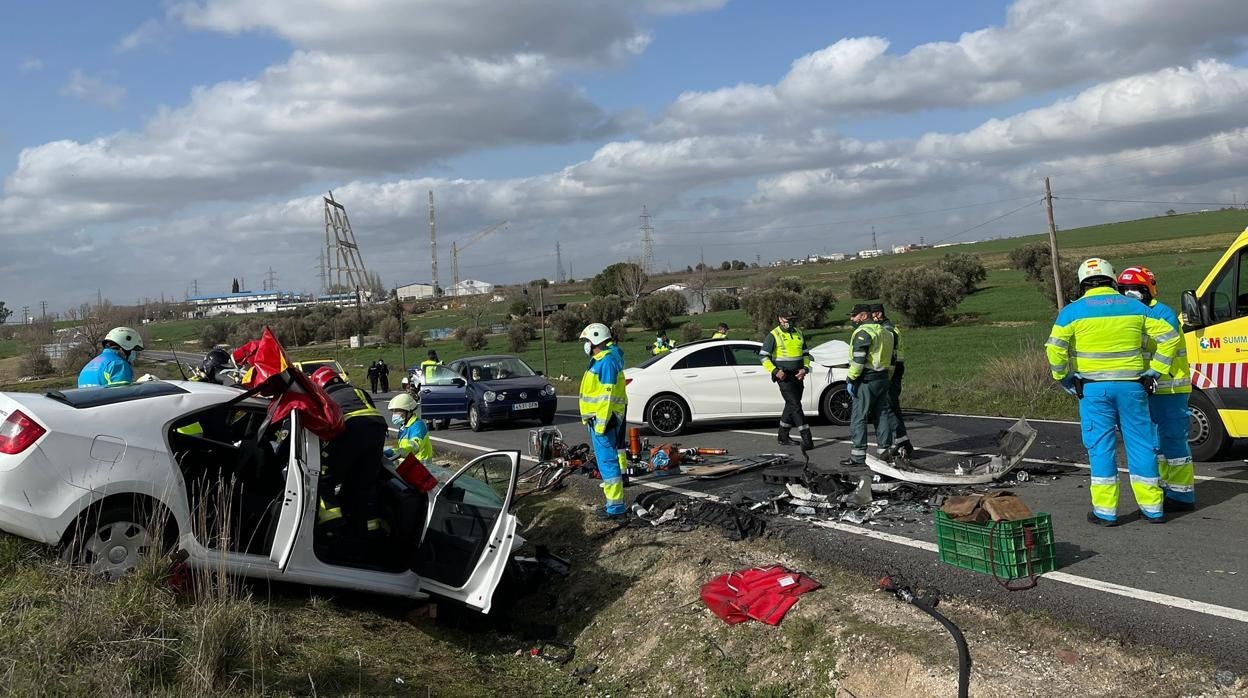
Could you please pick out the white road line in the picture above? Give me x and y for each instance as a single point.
(986, 416)
(1038, 461)
(1064, 577)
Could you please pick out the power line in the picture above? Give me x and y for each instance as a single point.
(990, 220)
(1143, 201)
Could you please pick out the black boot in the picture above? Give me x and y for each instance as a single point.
(807, 442)
(782, 437)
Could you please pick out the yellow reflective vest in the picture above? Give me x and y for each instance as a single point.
(1099, 336)
(1179, 378)
(602, 389)
(785, 350)
(870, 350)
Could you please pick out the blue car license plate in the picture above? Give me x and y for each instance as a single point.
(524, 406)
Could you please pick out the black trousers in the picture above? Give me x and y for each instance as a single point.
(791, 390)
(385, 382)
(372, 383)
(355, 462)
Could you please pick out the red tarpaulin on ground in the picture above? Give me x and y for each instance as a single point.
(272, 376)
(762, 593)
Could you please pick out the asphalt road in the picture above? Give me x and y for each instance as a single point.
(1182, 585)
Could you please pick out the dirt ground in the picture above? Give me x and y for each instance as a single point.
(632, 609)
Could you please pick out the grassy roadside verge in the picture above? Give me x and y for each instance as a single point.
(630, 608)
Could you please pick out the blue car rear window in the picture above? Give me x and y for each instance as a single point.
(81, 398)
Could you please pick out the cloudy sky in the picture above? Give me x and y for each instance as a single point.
(148, 144)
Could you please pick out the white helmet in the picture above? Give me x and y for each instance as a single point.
(404, 402)
(1096, 267)
(597, 333)
(126, 338)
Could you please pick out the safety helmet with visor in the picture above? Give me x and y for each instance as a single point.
(325, 376)
(1139, 283)
(595, 334)
(403, 407)
(125, 338)
(1096, 272)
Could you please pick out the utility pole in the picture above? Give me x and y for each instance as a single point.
(874, 245)
(541, 305)
(1057, 273)
(194, 288)
(433, 246)
(359, 318)
(43, 307)
(559, 277)
(25, 314)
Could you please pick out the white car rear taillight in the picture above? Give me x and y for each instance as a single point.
(18, 432)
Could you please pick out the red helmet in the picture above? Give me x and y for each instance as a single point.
(325, 377)
(1139, 277)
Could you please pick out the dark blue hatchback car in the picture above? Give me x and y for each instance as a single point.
(487, 390)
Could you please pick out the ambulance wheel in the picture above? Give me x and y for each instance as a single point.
(1205, 433)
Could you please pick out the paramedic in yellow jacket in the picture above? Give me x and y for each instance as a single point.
(1095, 351)
(1167, 406)
(603, 404)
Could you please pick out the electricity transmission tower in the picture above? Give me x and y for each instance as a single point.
(647, 241)
(433, 247)
(559, 277)
(270, 280)
(344, 268)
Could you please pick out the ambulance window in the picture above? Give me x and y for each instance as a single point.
(1221, 294)
(1241, 297)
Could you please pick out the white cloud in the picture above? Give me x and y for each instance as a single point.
(151, 31)
(93, 90)
(1043, 45)
(676, 7)
(30, 65)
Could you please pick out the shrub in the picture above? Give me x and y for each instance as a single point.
(474, 338)
(764, 306)
(655, 311)
(968, 268)
(391, 330)
(923, 294)
(415, 338)
(459, 333)
(291, 332)
(789, 283)
(813, 309)
(518, 335)
(690, 332)
(519, 308)
(865, 283)
(1032, 259)
(625, 278)
(605, 309)
(1182, 261)
(213, 333)
(721, 300)
(619, 330)
(35, 362)
(567, 323)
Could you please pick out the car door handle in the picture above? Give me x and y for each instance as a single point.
(750, 372)
(688, 375)
(426, 391)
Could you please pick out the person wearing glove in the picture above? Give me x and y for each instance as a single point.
(353, 458)
(1167, 400)
(786, 358)
(868, 381)
(1099, 338)
(603, 405)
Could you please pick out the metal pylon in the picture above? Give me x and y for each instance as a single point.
(344, 267)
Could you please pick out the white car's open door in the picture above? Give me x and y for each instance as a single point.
(294, 496)
(469, 533)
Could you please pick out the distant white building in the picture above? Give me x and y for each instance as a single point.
(866, 254)
(414, 292)
(470, 287)
(241, 303)
(834, 257)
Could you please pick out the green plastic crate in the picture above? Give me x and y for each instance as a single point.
(997, 547)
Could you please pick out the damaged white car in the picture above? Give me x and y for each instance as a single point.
(109, 474)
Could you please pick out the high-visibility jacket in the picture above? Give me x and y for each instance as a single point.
(785, 350)
(414, 439)
(602, 389)
(426, 368)
(720, 335)
(354, 402)
(1179, 378)
(661, 346)
(870, 350)
(108, 369)
(1099, 338)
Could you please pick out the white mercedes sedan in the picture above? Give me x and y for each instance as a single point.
(723, 379)
(110, 474)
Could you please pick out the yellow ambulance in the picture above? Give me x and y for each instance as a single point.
(1215, 326)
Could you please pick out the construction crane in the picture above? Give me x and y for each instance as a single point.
(456, 248)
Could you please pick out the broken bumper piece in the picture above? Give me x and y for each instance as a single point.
(978, 469)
